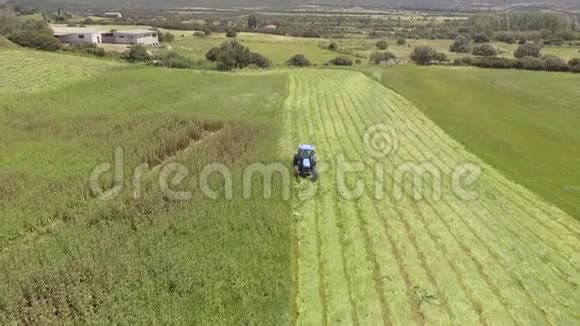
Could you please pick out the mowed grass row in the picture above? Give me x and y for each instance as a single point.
(422, 261)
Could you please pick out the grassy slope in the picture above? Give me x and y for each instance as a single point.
(25, 71)
(152, 261)
(524, 123)
(504, 258)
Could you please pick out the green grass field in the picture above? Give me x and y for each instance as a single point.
(507, 256)
(403, 261)
(25, 71)
(524, 123)
(67, 256)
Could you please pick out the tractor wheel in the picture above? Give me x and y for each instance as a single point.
(314, 174)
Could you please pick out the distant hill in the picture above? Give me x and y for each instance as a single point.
(418, 4)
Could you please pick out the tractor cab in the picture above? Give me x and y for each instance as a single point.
(305, 160)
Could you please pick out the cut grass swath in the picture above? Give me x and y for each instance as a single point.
(424, 261)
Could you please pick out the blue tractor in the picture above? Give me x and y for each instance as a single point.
(305, 162)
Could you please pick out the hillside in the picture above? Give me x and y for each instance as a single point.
(419, 4)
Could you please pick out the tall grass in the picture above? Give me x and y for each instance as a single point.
(68, 257)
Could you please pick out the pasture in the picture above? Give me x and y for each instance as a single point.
(524, 123)
(507, 255)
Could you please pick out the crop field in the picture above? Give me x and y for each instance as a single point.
(502, 257)
(67, 257)
(524, 123)
(412, 220)
(26, 72)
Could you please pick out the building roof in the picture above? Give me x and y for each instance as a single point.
(135, 31)
(58, 31)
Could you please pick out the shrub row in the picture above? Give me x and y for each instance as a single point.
(86, 48)
(546, 63)
(381, 57)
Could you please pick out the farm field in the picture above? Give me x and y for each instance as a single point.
(26, 71)
(280, 48)
(66, 256)
(387, 256)
(507, 257)
(523, 123)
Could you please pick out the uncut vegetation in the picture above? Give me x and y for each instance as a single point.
(70, 258)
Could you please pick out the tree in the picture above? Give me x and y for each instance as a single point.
(441, 57)
(252, 22)
(232, 54)
(460, 45)
(8, 22)
(506, 38)
(212, 54)
(380, 57)
(423, 55)
(35, 34)
(484, 50)
(494, 62)
(481, 38)
(333, 46)
(382, 45)
(574, 62)
(528, 50)
(175, 60)
(137, 53)
(169, 37)
(299, 60)
(34, 39)
(342, 61)
(259, 60)
(554, 63)
(165, 37)
(401, 41)
(311, 33)
(530, 63)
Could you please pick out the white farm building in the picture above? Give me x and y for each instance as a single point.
(75, 35)
(135, 36)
